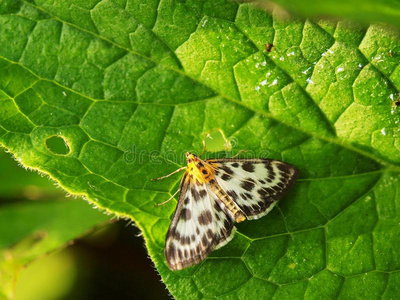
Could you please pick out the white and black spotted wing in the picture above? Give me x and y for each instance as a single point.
(254, 184)
(200, 224)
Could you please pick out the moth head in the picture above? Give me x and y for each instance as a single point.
(190, 157)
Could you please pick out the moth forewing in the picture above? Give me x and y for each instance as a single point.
(198, 226)
(255, 184)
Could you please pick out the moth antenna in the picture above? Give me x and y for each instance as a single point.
(176, 171)
(165, 202)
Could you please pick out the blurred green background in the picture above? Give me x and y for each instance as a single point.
(109, 261)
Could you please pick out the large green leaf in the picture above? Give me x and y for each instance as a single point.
(132, 85)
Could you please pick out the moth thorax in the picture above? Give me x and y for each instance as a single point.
(200, 171)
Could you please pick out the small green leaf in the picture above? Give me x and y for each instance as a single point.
(361, 10)
(130, 86)
(31, 228)
(18, 183)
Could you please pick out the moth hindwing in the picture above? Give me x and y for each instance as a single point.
(216, 193)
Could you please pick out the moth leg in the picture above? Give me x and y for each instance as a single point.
(162, 203)
(176, 171)
(240, 152)
(204, 147)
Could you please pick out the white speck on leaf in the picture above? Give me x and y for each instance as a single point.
(306, 70)
(274, 82)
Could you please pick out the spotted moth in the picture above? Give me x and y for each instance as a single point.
(216, 193)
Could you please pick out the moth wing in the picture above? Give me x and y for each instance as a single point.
(254, 184)
(200, 224)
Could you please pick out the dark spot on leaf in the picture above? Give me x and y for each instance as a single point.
(268, 47)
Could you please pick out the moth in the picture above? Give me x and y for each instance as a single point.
(216, 193)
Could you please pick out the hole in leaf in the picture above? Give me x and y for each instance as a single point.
(216, 141)
(57, 145)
